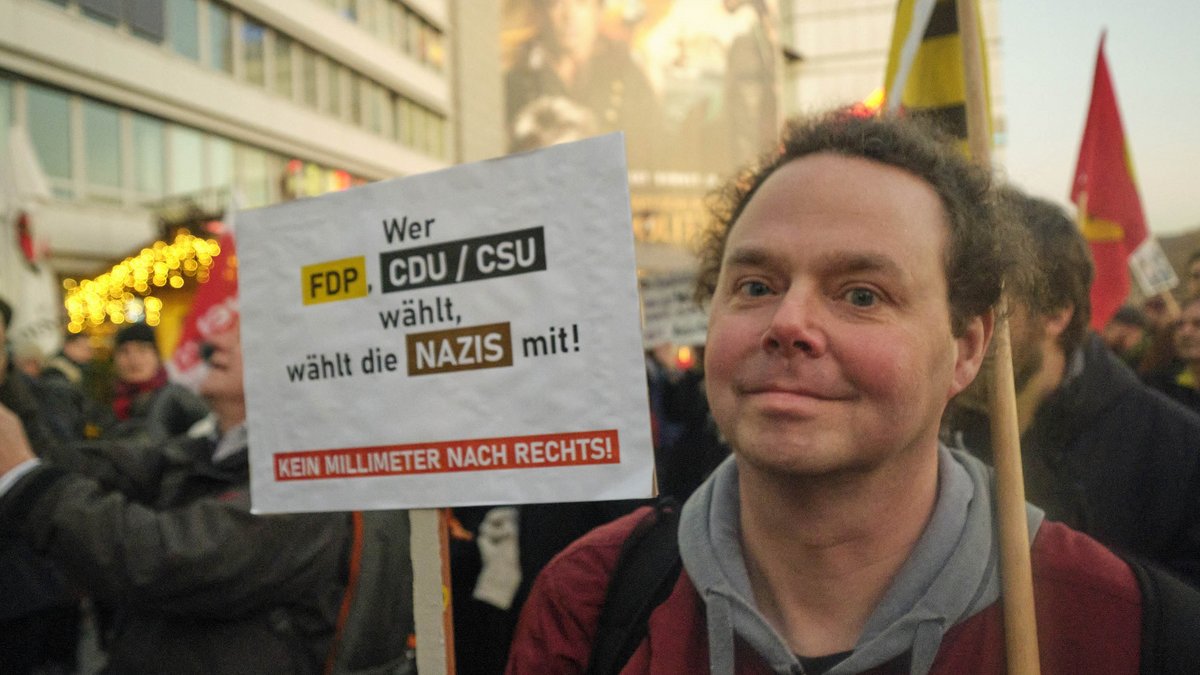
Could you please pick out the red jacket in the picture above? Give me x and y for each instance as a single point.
(1088, 615)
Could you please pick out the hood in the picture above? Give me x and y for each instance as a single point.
(951, 574)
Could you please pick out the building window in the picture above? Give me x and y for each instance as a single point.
(220, 165)
(308, 77)
(283, 65)
(253, 38)
(145, 19)
(404, 124)
(102, 149)
(336, 97)
(107, 12)
(49, 120)
(186, 152)
(183, 31)
(6, 112)
(148, 156)
(220, 38)
(357, 84)
(252, 180)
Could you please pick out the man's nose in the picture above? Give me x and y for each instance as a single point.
(797, 325)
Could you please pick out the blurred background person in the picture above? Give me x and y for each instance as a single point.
(39, 615)
(1192, 280)
(1102, 451)
(1181, 380)
(1127, 336)
(163, 533)
(145, 404)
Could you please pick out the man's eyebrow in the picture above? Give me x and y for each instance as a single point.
(844, 262)
(849, 262)
(748, 257)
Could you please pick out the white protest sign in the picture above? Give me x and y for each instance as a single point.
(468, 336)
(1152, 269)
(669, 312)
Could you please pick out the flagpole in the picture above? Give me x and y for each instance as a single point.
(1016, 576)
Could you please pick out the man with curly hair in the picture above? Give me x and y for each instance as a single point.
(852, 280)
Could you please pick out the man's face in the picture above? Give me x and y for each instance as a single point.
(3, 351)
(136, 361)
(78, 349)
(224, 379)
(829, 342)
(1027, 332)
(1187, 333)
(1193, 279)
(574, 25)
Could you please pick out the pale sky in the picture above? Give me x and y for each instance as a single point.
(1153, 51)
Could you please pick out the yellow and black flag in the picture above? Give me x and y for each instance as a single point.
(925, 75)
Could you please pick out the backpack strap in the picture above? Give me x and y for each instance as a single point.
(646, 572)
(1170, 621)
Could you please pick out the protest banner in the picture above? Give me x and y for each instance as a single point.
(464, 337)
(670, 315)
(1152, 269)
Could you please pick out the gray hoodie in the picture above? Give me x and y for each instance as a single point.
(950, 575)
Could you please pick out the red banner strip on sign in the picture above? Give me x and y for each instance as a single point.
(479, 454)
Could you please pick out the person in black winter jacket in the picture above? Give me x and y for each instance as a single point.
(1102, 452)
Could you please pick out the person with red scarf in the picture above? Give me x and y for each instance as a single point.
(144, 402)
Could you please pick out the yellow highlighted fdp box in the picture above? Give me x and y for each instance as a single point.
(334, 280)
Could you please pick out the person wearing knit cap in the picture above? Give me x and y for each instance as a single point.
(144, 402)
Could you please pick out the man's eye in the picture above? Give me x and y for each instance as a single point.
(755, 289)
(861, 297)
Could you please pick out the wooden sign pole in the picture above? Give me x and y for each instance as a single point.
(1016, 576)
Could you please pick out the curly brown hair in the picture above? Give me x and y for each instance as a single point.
(983, 247)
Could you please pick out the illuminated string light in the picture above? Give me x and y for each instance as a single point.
(125, 291)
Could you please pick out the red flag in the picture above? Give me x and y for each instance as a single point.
(214, 309)
(1110, 209)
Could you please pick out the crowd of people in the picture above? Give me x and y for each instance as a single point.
(827, 502)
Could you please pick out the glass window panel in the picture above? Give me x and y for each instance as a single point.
(437, 54)
(308, 77)
(335, 90)
(220, 38)
(6, 112)
(220, 163)
(148, 155)
(145, 19)
(372, 108)
(253, 37)
(283, 65)
(102, 146)
(412, 40)
(183, 31)
(187, 160)
(252, 176)
(436, 135)
(49, 119)
(404, 121)
(356, 99)
(107, 12)
(417, 124)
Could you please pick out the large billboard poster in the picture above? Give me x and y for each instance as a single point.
(693, 84)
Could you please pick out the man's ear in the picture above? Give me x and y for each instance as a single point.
(1057, 321)
(970, 349)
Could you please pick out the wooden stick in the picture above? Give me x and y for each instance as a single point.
(430, 552)
(1016, 575)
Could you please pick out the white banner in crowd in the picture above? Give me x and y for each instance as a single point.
(670, 315)
(468, 336)
(1152, 268)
